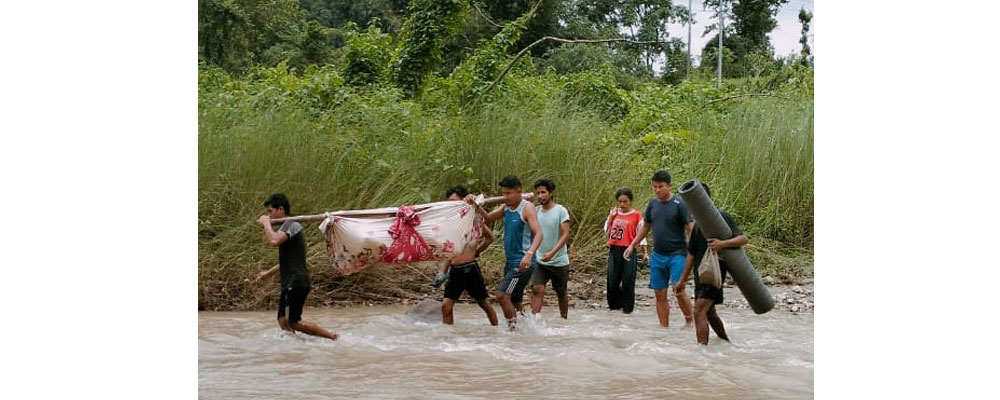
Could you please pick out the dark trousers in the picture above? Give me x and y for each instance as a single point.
(621, 279)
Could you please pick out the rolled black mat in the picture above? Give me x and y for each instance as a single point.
(713, 226)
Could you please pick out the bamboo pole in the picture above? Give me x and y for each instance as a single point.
(387, 212)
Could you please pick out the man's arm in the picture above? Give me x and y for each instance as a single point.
(687, 230)
(563, 238)
(532, 219)
(487, 240)
(492, 216)
(688, 263)
(488, 217)
(266, 274)
(273, 238)
(738, 241)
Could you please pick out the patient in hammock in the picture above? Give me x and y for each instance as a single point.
(465, 275)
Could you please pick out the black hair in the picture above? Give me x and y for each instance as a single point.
(460, 190)
(549, 185)
(707, 190)
(278, 200)
(662, 176)
(510, 182)
(625, 191)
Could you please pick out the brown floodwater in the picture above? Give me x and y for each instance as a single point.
(596, 353)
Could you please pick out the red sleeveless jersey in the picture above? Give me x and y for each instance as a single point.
(623, 227)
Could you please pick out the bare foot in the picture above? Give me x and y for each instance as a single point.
(688, 325)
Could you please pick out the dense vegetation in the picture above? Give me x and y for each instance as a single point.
(351, 117)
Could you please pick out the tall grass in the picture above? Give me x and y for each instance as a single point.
(375, 149)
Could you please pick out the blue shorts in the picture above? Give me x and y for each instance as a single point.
(661, 266)
(514, 281)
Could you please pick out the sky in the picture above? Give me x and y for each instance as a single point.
(784, 38)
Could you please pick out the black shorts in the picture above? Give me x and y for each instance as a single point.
(559, 276)
(466, 278)
(291, 302)
(709, 292)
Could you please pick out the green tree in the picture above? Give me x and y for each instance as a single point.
(639, 20)
(337, 13)
(544, 23)
(747, 24)
(224, 34)
(235, 34)
(480, 69)
(804, 18)
(366, 55)
(428, 24)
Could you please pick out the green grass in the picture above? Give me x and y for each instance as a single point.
(373, 149)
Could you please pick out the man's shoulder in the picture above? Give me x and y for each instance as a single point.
(291, 227)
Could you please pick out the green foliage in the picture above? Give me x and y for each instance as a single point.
(545, 21)
(366, 56)
(747, 24)
(596, 92)
(237, 34)
(336, 13)
(428, 24)
(804, 18)
(477, 72)
(330, 146)
(224, 34)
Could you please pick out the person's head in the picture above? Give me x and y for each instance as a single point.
(624, 198)
(661, 184)
(278, 206)
(456, 192)
(543, 190)
(510, 188)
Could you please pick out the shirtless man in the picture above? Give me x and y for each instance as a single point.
(465, 275)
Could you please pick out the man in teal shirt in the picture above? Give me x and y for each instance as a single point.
(552, 257)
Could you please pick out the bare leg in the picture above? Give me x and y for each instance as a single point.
(684, 303)
(701, 320)
(563, 305)
(447, 307)
(537, 298)
(662, 307)
(490, 312)
(716, 322)
(283, 324)
(509, 312)
(313, 329)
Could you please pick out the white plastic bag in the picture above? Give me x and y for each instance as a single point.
(708, 271)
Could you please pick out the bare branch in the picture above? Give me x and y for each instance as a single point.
(476, 6)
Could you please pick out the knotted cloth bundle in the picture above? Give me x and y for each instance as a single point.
(431, 232)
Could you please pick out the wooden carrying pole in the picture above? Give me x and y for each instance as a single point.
(387, 212)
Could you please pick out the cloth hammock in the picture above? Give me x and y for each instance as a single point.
(430, 232)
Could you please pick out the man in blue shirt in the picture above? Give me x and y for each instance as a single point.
(521, 238)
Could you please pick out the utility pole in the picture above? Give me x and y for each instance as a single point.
(690, 22)
(722, 30)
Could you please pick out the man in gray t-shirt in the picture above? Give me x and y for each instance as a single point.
(552, 257)
(668, 217)
(295, 285)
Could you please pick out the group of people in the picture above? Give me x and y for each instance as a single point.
(535, 252)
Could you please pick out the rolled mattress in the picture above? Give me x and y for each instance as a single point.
(713, 226)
